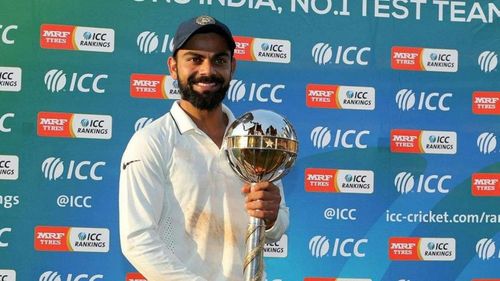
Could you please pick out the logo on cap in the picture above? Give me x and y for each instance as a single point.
(204, 20)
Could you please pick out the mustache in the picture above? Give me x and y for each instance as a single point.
(205, 79)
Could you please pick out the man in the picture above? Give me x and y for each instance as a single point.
(183, 211)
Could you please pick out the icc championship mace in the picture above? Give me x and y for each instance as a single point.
(261, 145)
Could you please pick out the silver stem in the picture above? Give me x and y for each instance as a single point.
(253, 265)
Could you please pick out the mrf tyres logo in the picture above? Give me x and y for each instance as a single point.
(405, 183)
(424, 59)
(407, 99)
(240, 90)
(321, 137)
(419, 141)
(72, 125)
(57, 80)
(323, 54)
(487, 143)
(80, 38)
(134, 276)
(321, 247)
(55, 169)
(9, 167)
(74, 239)
(486, 103)
(339, 181)
(153, 86)
(10, 79)
(422, 249)
(55, 276)
(340, 97)
(486, 184)
(263, 50)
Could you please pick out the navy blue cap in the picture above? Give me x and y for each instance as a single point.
(201, 24)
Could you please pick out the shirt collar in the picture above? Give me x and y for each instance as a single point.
(185, 123)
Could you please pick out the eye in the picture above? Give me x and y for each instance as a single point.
(221, 60)
(196, 60)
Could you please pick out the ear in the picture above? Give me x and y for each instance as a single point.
(172, 67)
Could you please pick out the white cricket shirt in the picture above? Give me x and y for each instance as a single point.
(182, 214)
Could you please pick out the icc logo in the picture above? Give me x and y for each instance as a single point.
(439, 139)
(487, 61)
(438, 246)
(406, 99)
(272, 47)
(142, 122)
(321, 137)
(3, 127)
(440, 57)
(355, 178)
(487, 143)
(55, 276)
(357, 95)
(53, 169)
(262, 93)
(82, 236)
(323, 53)
(2, 231)
(94, 36)
(148, 42)
(55, 81)
(405, 182)
(5, 33)
(92, 123)
(485, 249)
(320, 247)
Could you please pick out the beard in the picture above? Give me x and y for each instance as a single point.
(204, 100)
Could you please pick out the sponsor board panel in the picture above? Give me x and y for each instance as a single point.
(81, 38)
(10, 79)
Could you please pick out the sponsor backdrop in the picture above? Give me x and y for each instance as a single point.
(396, 104)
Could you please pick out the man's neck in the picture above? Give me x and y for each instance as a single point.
(212, 122)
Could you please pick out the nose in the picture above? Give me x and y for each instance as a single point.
(206, 68)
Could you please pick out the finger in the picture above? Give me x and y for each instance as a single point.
(261, 214)
(263, 195)
(262, 205)
(255, 195)
(262, 186)
(246, 188)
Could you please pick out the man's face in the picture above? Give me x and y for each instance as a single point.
(203, 68)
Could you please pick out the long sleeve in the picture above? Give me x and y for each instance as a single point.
(281, 224)
(141, 201)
